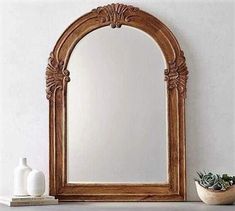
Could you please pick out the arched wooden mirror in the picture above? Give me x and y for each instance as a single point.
(117, 129)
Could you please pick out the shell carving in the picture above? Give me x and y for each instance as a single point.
(177, 74)
(115, 14)
(55, 75)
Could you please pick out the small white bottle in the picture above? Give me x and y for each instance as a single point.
(20, 178)
(36, 183)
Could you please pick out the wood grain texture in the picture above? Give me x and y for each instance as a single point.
(57, 77)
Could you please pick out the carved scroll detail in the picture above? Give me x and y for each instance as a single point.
(115, 14)
(177, 74)
(55, 75)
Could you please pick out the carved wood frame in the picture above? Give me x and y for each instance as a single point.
(57, 77)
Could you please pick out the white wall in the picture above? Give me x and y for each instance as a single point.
(205, 30)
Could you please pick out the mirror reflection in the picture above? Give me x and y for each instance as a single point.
(116, 109)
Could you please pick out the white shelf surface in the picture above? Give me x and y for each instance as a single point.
(127, 206)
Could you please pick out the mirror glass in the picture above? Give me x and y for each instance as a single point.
(116, 117)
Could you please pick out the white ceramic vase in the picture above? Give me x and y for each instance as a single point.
(36, 183)
(20, 178)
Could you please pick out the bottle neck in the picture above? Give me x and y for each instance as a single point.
(23, 161)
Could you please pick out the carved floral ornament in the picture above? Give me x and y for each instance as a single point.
(177, 74)
(116, 14)
(55, 75)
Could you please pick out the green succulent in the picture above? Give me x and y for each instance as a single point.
(215, 181)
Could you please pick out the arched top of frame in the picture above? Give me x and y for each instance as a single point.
(116, 15)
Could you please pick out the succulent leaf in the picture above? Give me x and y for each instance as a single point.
(215, 181)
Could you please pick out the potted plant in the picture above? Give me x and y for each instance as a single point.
(215, 189)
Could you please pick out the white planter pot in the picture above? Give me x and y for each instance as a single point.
(20, 178)
(36, 183)
(216, 196)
